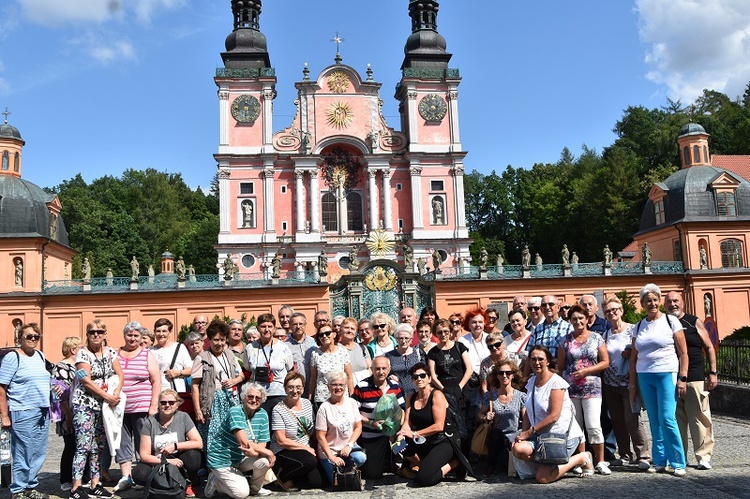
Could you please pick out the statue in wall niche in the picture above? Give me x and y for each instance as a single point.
(86, 269)
(276, 266)
(538, 262)
(110, 277)
(565, 254)
(484, 257)
(353, 260)
(53, 226)
(646, 255)
(707, 305)
(323, 263)
(247, 213)
(607, 256)
(306, 141)
(180, 268)
(421, 266)
(526, 258)
(135, 269)
(703, 258)
(19, 272)
(408, 257)
(436, 261)
(438, 211)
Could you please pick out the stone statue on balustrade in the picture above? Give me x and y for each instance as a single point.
(109, 279)
(499, 262)
(86, 270)
(353, 260)
(484, 257)
(276, 266)
(538, 262)
(229, 268)
(135, 269)
(607, 256)
(421, 266)
(525, 258)
(565, 254)
(408, 258)
(646, 254)
(703, 258)
(191, 273)
(180, 268)
(574, 261)
(323, 263)
(436, 261)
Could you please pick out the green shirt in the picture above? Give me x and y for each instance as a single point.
(223, 450)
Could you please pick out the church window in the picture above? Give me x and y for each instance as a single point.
(437, 185)
(696, 154)
(283, 189)
(399, 187)
(330, 219)
(6, 159)
(246, 188)
(248, 261)
(705, 154)
(284, 226)
(659, 211)
(731, 253)
(686, 155)
(354, 212)
(400, 224)
(677, 247)
(16, 162)
(725, 204)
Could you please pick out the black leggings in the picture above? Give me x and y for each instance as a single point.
(66, 458)
(431, 459)
(498, 456)
(379, 456)
(299, 466)
(191, 460)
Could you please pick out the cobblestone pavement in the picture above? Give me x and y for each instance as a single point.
(729, 478)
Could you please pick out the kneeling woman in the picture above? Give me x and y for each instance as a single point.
(548, 408)
(173, 433)
(428, 446)
(292, 424)
(338, 425)
(239, 447)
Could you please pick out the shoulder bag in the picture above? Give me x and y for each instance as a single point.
(551, 447)
(347, 479)
(166, 481)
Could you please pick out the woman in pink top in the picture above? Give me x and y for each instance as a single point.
(142, 386)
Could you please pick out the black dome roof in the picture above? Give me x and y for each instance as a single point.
(9, 132)
(24, 212)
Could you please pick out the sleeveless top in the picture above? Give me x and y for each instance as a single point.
(420, 419)
(137, 385)
(694, 344)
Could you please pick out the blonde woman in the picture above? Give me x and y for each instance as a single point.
(65, 373)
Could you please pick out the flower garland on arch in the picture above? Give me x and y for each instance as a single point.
(340, 169)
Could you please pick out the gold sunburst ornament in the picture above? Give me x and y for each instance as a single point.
(339, 115)
(338, 82)
(380, 242)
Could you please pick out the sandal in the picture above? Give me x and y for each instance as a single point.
(588, 465)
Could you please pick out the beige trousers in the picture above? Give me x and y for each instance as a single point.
(232, 482)
(694, 414)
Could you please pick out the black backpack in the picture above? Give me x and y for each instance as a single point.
(166, 481)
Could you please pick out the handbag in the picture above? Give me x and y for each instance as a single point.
(166, 481)
(551, 447)
(480, 440)
(347, 479)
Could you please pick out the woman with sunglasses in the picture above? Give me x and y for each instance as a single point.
(404, 357)
(240, 447)
(548, 409)
(515, 342)
(382, 326)
(429, 454)
(24, 409)
(172, 433)
(292, 427)
(497, 353)
(505, 410)
(95, 364)
(457, 329)
(327, 358)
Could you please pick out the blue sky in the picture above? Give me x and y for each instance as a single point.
(98, 86)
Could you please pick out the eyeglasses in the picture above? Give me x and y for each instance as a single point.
(504, 373)
(200, 322)
(95, 332)
(253, 398)
(379, 326)
(453, 321)
(537, 360)
(32, 337)
(419, 376)
(167, 403)
(337, 385)
(549, 304)
(535, 309)
(325, 333)
(612, 310)
(496, 346)
(491, 319)
(405, 338)
(291, 388)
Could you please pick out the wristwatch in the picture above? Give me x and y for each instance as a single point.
(713, 372)
(682, 378)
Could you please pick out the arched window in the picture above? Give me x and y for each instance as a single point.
(725, 204)
(659, 212)
(16, 162)
(330, 220)
(6, 159)
(696, 154)
(705, 154)
(731, 253)
(354, 212)
(686, 155)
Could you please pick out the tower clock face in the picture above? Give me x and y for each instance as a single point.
(432, 108)
(245, 109)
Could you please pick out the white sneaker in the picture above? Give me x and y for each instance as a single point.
(680, 472)
(577, 471)
(125, 483)
(705, 465)
(210, 489)
(260, 492)
(603, 468)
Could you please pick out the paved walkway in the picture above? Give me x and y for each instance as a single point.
(730, 478)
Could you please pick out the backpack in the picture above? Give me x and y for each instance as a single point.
(166, 481)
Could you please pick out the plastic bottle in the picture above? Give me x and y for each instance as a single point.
(5, 466)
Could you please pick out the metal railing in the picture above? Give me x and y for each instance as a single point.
(733, 361)
(557, 270)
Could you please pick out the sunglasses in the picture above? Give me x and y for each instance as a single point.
(419, 376)
(94, 332)
(565, 307)
(537, 360)
(379, 326)
(254, 397)
(496, 346)
(549, 304)
(505, 373)
(455, 322)
(166, 403)
(491, 319)
(32, 337)
(535, 309)
(325, 333)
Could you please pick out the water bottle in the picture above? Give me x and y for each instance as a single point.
(5, 467)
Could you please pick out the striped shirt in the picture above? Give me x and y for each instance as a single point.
(367, 394)
(298, 425)
(137, 385)
(223, 450)
(26, 380)
(549, 334)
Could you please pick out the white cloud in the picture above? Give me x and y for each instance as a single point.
(696, 45)
(4, 84)
(54, 13)
(103, 50)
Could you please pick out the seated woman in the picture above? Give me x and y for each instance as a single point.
(338, 425)
(292, 423)
(548, 408)
(429, 449)
(504, 409)
(173, 433)
(240, 447)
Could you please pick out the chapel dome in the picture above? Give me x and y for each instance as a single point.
(24, 211)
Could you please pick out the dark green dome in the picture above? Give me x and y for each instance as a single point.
(692, 129)
(24, 211)
(9, 132)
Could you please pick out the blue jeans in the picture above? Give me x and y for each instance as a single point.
(659, 394)
(357, 458)
(29, 450)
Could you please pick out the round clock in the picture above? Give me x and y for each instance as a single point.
(432, 108)
(245, 109)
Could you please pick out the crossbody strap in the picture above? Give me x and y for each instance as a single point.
(299, 423)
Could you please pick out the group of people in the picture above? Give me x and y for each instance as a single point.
(237, 412)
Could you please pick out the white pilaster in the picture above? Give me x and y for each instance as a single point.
(299, 199)
(455, 134)
(268, 95)
(372, 198)
(416, 194)
(387, 218)
(411, 100)
(268, 202)
(314, 201)
(225, 202)
(458, 198)
(223, 118)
